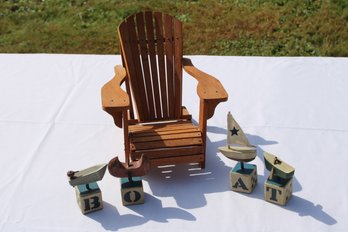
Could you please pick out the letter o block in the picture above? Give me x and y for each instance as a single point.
(243, 179)
(132, 191)
(89, 197)
(278, 192)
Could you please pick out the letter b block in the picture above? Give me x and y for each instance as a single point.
(89, 197)
(132, 191)
(278, 192)
(243, 180)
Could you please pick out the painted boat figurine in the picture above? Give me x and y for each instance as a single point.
(136, 168)
(86, 176)
(238, 147)
(278, 167)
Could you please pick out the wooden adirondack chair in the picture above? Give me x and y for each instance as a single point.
(161, 131)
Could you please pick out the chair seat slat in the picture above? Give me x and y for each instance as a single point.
(169, 152)
(166, 143)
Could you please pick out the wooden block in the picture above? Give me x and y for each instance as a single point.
(243, 180)
(278, 191)
(89, 197)
(132, 191)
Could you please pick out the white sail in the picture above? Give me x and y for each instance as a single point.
(235, 134)
(238, 147)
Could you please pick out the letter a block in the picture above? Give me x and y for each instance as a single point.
(89, 197)
(243, 180)
(132, 191)
(278, 192)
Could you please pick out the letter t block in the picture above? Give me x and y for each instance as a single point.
(278, 192)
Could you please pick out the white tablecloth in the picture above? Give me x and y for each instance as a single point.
(51, 121)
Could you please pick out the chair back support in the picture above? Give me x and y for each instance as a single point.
(151, 49)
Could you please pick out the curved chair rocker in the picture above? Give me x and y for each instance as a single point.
(162, 132)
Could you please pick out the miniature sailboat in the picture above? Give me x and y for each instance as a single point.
(88, 175)
(278, 167)
(136, 168)
(238, 147)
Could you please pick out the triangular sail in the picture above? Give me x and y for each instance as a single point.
(235, 134)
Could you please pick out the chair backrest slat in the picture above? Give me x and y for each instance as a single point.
(128, 89)
(168, 37)
(151, 46)
(153, 60)
(129, 52)
(145, 64)
(161, 67)
(178, 66)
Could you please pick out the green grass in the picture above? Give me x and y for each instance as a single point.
(234, 27)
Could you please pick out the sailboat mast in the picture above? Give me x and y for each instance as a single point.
(229, 128)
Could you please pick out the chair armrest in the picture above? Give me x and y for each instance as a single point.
(112, 94)
(210, 92)
(114, 99)
(209, 88)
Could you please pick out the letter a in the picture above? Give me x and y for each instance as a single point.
(240, 183)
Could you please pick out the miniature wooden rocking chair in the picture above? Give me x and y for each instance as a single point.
(162, 132)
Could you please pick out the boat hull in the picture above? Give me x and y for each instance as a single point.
(280, 168)
(137, 168)
(242, 154)
(88, 175)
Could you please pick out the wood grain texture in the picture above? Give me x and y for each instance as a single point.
(209, 88)
(162, 137)
(114, 99)
(128, 90)
(142, 41)
(151, 41)
(168, 152)
(168, 37)
(151, 48)
(178, 52)
(161, 127)
(130, 66)
(181, 142)
(140, 95)
(161, 63)
(112, 93)
(177, 160)
(185, 114)
(210, 92)
(165, 132)
(169, 140)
